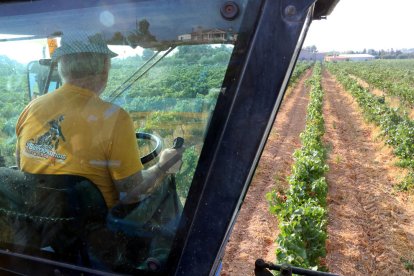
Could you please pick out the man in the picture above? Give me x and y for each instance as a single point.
(73, 131)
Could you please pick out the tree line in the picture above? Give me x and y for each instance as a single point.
(379, 54)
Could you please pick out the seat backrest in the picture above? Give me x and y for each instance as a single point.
(50, 210)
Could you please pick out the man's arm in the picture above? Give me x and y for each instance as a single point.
(139, 184)
(143, 182)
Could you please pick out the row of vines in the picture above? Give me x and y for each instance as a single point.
(301, 211)
(397, 128)
(396, 78)
(300, 68)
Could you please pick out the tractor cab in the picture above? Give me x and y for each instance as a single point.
(206, 75)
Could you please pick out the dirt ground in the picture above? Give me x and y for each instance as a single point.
(256, 229)
(370, 225)
(392, 101)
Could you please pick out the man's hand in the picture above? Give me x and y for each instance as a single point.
(171, 160)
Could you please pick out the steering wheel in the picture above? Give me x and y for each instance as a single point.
(155, 139)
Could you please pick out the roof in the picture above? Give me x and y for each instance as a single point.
(204, 31)
(356, 56)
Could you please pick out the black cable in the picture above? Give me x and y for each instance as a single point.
(132, 75)
(141, 75)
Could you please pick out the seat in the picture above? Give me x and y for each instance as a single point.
(66, 216)
(50, 214)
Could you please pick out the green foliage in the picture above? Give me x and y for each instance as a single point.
(191, 72)
(157, 120)
(302, 238)
(147, 54)
(397, 128)
(301, 211)
(300, 68)
(184, 83)
(204, 54)
(10, 67)
(13, 91)
(408, 263)
(394, 77)
(185, 176)
(407, 184)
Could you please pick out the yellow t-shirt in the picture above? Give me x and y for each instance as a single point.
(73, 131)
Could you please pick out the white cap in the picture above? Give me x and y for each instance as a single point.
(82, 42)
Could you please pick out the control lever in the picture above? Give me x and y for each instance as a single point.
(178, 143)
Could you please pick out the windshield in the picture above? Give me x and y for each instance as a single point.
(166, 80)
(175, 98)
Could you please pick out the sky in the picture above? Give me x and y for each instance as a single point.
(18, 51)
(370, 24)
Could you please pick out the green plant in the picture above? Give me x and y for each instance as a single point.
(408, 264)
(407, 184)
(301, 210)
(397, 128)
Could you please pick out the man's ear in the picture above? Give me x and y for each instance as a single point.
(107, 63)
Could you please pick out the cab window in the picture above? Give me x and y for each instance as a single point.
(167, 76)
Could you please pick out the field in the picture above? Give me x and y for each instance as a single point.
(334, 186)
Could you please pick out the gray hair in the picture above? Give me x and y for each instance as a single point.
(81, 65)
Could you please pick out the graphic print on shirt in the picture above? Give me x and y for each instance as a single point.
(46, 145)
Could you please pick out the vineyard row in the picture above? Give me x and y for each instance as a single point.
(394, 79)
(397, 128)
(301, 212)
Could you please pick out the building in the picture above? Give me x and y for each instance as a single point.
(209, 35)
(311, 56)
(184, 37)
(350, 57)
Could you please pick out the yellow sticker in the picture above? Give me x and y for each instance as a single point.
(52, 45)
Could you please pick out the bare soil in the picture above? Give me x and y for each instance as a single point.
(370, 225)
(256, 229)
(392, 101)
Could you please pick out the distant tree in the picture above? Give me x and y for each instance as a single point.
(142, 35)
(147, 54)
(193, 54)
(311, 49)
(372, 52)
(404, 56)
(117, 38)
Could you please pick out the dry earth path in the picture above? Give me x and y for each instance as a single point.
(256, 229)
(370, 226)
(392, 101)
